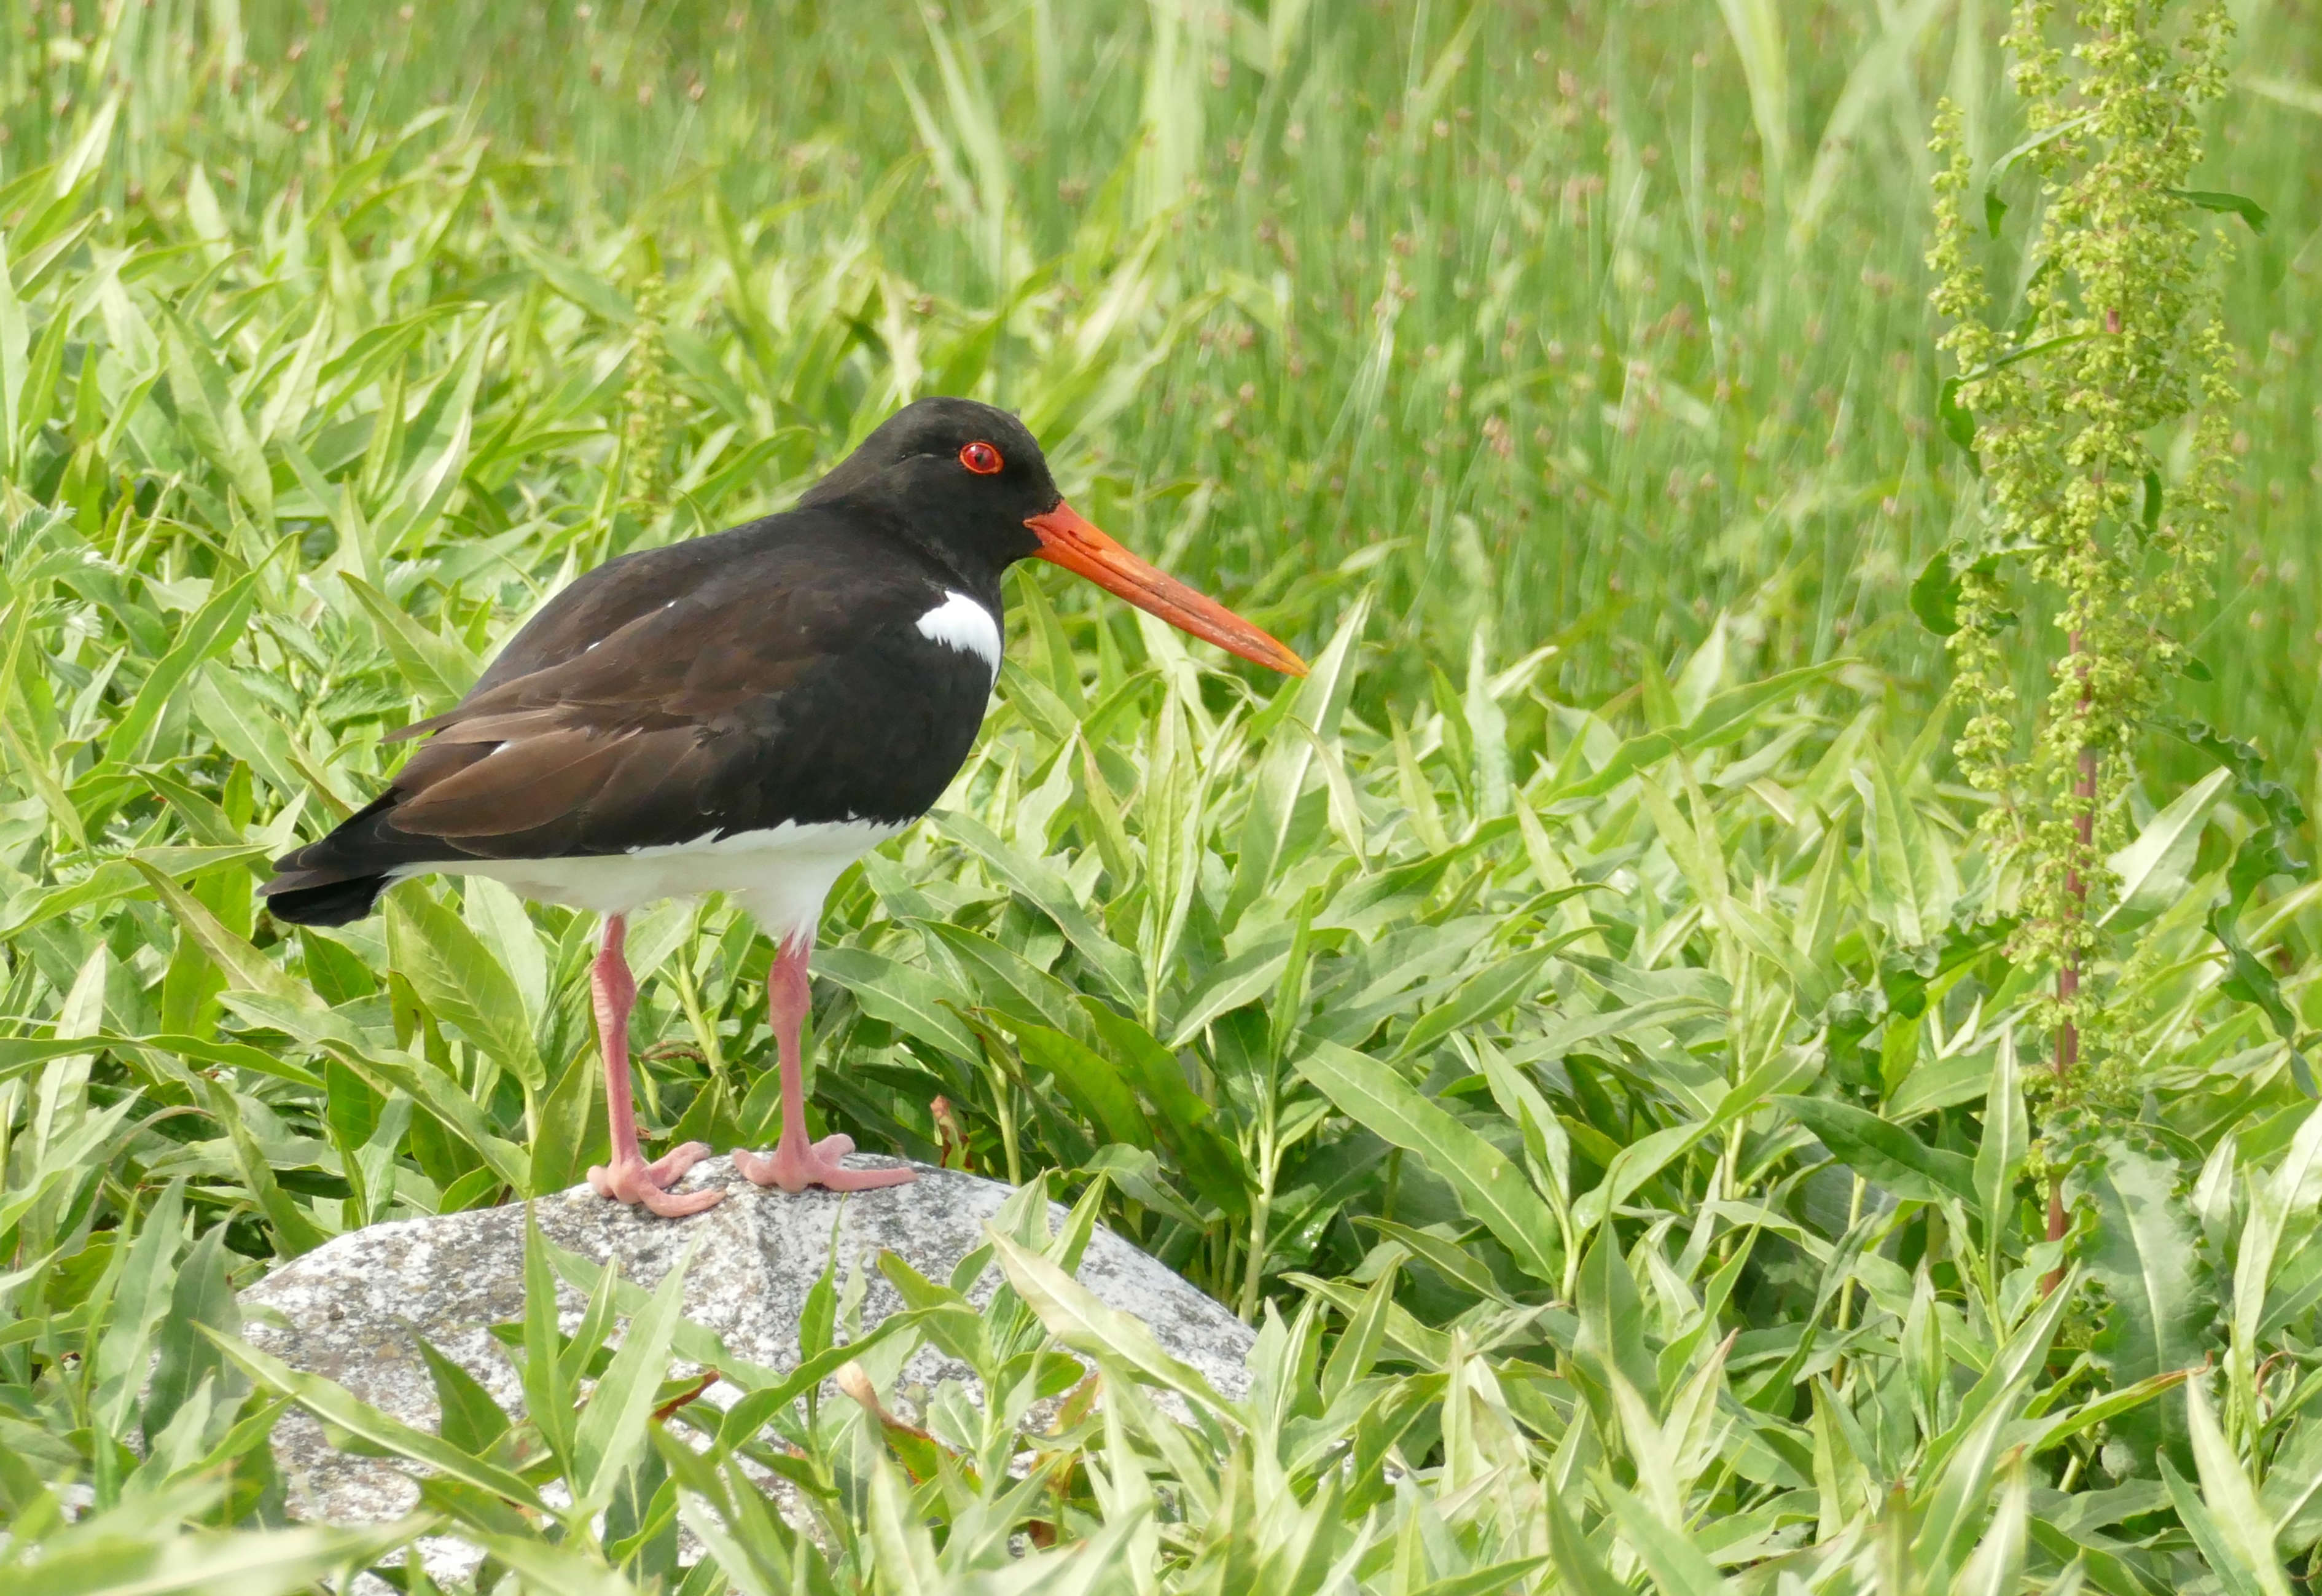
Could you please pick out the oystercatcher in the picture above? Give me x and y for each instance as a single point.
(745, 714)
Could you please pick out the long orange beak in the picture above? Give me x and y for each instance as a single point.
(1070, 539)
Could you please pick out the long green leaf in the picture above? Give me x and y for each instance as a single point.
(1889, 1154)
(2007, 1140)
(1489, 992)
(1039, 886)
(2154, 870)
(1074, 1315)
(2243, 1526)
(914, 1000)
(334, 1404)
(1490, 1189)
(1909, 894)
(215, 628)
(457, 976)
(247, 1563)
(214, 423)
(612, 1431)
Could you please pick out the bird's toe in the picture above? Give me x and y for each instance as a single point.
(678, 1204)
(637, 1182)
(671, 1165)
(793, 1169)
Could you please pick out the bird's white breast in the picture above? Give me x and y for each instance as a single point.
(961, 623)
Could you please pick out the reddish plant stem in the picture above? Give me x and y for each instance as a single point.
(2068, 977)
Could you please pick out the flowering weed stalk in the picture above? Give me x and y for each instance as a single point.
(2110, 360)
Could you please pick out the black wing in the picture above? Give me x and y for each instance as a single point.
(692, 692)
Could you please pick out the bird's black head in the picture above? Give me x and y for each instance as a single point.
(967, 482)
(962, 477)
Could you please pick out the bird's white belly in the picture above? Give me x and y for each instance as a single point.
(781, 875)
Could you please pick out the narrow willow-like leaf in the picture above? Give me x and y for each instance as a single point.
(1490, 1187)
(331, 1402)
(612, 1429)
(1887, 1153)
(457, 976)
(1087, 1325)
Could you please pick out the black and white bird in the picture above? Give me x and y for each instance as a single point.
(745, 714)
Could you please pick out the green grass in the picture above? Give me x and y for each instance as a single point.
(1513, 282)
(1582, 1045)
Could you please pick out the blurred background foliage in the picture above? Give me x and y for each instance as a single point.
(1574, 1022)
(1588, 323)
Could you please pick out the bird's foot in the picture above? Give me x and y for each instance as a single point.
(634, 1180)
(795, 1165)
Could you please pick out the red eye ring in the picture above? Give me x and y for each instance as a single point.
(982, 459)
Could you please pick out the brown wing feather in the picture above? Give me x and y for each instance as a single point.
(618, 723)
(533, 779)
(649, 672)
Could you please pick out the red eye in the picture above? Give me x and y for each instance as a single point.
(982, 459)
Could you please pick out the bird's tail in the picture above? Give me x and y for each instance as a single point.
(334, 902)
(339, 877)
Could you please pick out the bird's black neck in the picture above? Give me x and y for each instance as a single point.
(952, 553)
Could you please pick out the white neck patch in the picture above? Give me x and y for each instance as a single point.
(961, 623)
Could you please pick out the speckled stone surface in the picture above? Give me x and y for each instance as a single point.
(351, 1308)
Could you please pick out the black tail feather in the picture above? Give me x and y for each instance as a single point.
(334, 902)
(338, 879)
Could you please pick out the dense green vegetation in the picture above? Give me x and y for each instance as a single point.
(1580, 1022)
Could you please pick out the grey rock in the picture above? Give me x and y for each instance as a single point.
(350, 1309)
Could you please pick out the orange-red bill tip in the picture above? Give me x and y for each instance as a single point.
(1070, 539)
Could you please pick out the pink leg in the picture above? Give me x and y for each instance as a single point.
(629, 1178)
(796, 1163)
